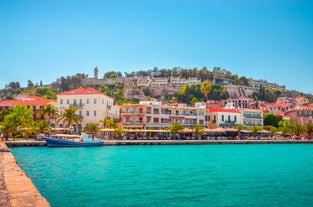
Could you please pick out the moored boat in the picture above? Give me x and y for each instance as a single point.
(65, 140)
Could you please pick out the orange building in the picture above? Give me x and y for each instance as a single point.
(153, 114)
(33, 102)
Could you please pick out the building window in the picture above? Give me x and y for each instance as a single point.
(95, 101)
(94, 113)
(74, 102)
(207, 117)
(80, 113)
(222, 117)
(87, 113)
(61, 101)
(80, 102)
(156, 111)
(87, 101)
(127, 119)
(228, 118)
(67, 101)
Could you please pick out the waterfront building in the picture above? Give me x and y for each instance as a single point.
(251, 117)
(92, 105)
(222, 117)
(30, 101)
(153, 114)
(301, 115)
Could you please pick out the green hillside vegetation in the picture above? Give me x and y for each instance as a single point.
(186, 94)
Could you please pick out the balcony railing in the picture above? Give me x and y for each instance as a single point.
(252, 116)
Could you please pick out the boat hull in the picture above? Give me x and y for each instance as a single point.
(53, 142)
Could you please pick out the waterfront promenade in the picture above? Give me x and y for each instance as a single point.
(16, 189)
(115, 142)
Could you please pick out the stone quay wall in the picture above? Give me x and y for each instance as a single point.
(16, 189)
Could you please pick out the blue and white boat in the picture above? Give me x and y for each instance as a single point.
(66, 140)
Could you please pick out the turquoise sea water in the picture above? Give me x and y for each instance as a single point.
(182, 175)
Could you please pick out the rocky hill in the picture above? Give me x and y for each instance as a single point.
(236, 91)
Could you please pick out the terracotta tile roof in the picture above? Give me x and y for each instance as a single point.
(299, 97)
(223, 110)
(173, 104)
(27, 102)
(278, 105)
(81, 91)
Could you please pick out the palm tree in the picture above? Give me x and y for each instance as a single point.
(42, 126)
(239, 128)
(198, 130)
(70, 117)
(273, 130)
(285, 126)
(50, 110)
(92, 128)
(297, 129)
(108, 123)
(255, 129)
(8, 128)
(309, 129)
(175, 128)
(119, 132)
(205, 88)
(20, 119)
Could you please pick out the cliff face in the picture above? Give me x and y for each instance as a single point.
(240, 91)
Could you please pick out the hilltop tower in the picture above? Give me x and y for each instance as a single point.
(95, 73)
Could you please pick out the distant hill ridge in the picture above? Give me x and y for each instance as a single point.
(166, 81)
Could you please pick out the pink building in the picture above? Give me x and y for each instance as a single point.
(301, 115)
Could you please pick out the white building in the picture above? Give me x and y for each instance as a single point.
(93, 105)
(251, 117)
(222, 117)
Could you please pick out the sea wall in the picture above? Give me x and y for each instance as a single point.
(16, 189)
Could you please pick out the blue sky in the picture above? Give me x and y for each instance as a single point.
(269, 39)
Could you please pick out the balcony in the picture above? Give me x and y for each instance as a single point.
(249, 116)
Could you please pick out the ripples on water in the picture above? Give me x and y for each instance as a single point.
(189, 175)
